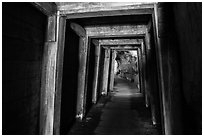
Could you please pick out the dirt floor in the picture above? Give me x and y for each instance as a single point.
(122, 112)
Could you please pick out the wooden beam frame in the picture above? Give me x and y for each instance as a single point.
(133, 47)
(51, 76)
(59, 74)
(86, 7)
(106, 72)
(83, 50)
(78, 29)
(51, 59)
(116, 30)
(118, 12)
(164, 118)
(151, 11)
(111, 84)
(147, 89)
(113, 42)
(96, 70)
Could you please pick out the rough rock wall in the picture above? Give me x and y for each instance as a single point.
(23, 41)
(188, 24)
(180, 38)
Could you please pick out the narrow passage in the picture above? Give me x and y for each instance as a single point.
(123, 112)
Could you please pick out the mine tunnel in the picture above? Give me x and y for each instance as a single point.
(101, 68)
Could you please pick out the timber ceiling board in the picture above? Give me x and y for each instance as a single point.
(115, 42)
(103, 13)
(81, 7)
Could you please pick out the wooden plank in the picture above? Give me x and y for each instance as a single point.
(136, 36)
(130, 47)
(83, 44)
(59, 73)
(165, 122)
(106, 72)
(78, 29)
(120, 41)
(143, 59)
(87, 7)
(48, 88)
(149, 25)
(126, 49)
(51, 28)
(48, 81)
(112, 70)
(116, 30)
(147, 40)
(96, 72)
(48, 8)
(107, 13)
(52, 77)
(146, 83)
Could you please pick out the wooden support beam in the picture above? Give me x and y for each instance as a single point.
(124, 48)
(108, 36)
(141, 70)
(96, 72)
(119, 30)
(83, 47)
(106, 13)
(113, 52)
(52, 76)
(48, 8)
(147, 84)
(52, 28)
(110, 42)
(87, 7)
(59, 73)
(165, 124)
(48, 81)
(78, 29)
(149, 25)
(106, 72)
(143, 60)
(48, 88)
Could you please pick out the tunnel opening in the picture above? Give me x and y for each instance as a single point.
(23, 38)
(127, 67)
(69, 80)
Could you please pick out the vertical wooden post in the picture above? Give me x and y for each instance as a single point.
(144, 91)
(59, 74)
(147, 84)
(106, 72)
(83, 46)
(112, 69)
(140, 68)
(48, 81)
(143, 59)
(83, 50)
(96, 71)
(166, 129)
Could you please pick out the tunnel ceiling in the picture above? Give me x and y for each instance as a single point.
(113, 20)
(98, 8)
